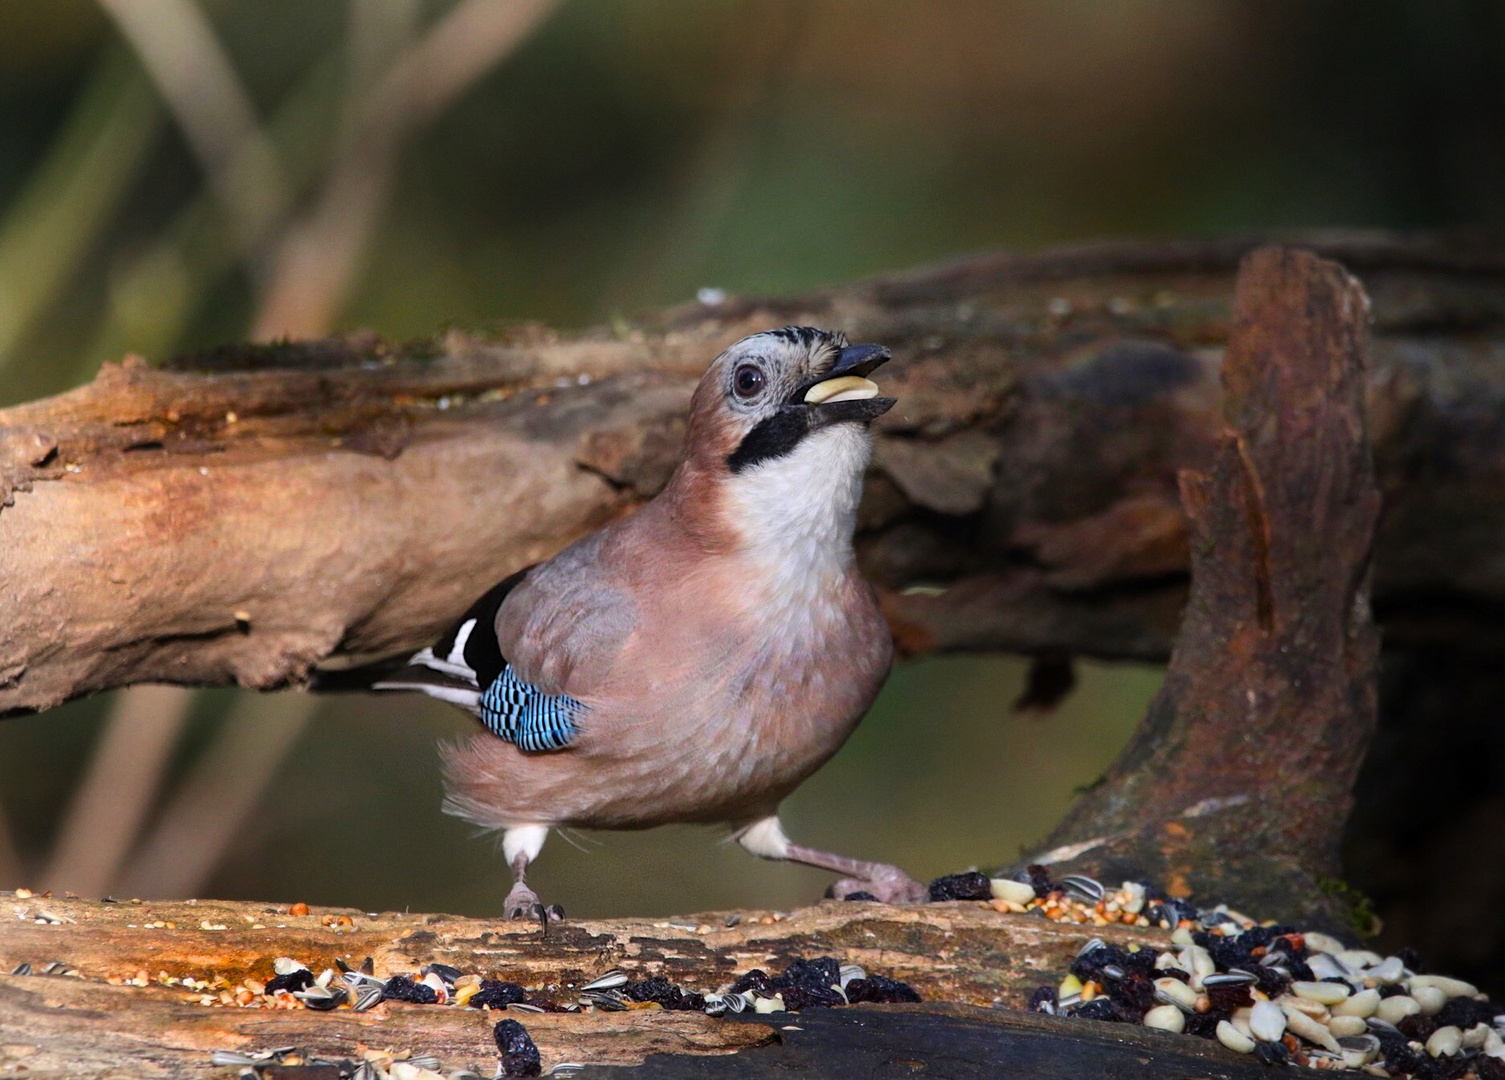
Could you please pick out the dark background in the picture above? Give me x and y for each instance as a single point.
(623, 156)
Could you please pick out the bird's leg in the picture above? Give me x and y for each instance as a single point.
(521, 845)
(889, 884)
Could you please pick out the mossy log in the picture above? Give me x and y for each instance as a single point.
(238, 516)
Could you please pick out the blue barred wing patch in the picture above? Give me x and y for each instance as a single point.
(527, 717)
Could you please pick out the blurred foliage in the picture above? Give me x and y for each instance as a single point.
(630, 152)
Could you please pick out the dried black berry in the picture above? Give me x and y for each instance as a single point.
(1205, 1024)
(1258, 937)
(823, 971)
(1300, 972)
(1271, 981)
(881, 990)
(1489, 1068)
(657, 989)
(801, 996)
(1399, 1058)
(1229, 953)
(860, 894)
(1039, 879)
(971, 885)
(1417, 1026)
(1465, 1012)
(1042, 1000)
(755, 981)
(1229, 997)
(1097, 1009)
(1135, 993)
(495, 994)
(1090, 964)
(519, 1055)
(293, 981)
(402, 988)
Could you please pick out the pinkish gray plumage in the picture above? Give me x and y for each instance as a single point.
(699, 659)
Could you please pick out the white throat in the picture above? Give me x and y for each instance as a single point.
(796, 513)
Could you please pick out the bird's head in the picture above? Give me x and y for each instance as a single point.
(780, 424)
(769, 394)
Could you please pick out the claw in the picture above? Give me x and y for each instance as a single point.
(888, 884)
(521, 903)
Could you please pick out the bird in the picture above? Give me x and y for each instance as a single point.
(696, 660)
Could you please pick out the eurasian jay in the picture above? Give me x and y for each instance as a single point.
(695, 661)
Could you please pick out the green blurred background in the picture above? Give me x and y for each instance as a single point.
(174, 174)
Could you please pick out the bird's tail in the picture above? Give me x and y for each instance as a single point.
(403, 672)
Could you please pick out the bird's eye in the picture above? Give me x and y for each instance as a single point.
(747, 381)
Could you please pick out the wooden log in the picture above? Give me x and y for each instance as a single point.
(95, 1020)
(1238, 783)
(239, 516)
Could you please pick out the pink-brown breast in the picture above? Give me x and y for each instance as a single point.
(716, 707)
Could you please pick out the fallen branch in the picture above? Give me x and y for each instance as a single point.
(959, 953)
(242, 520)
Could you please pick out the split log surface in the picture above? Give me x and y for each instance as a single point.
(963, 958)
(1238, 782)
(242, 515)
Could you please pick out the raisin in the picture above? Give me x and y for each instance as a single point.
(519, 1054)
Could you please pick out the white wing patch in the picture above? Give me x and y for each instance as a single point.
(453, 664)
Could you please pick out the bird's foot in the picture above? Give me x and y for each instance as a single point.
(887, 884)
(523, 903)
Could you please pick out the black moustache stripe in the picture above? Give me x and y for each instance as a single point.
(772, 438)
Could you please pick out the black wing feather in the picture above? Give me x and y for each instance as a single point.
(482, 653)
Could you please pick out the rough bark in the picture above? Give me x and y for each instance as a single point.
(242, 515)
(1238, 782)
(963, 954)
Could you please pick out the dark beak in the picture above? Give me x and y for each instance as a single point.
(853, 360)
(857, 360)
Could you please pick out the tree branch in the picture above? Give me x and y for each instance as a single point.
(244, 514)
(1239, 781)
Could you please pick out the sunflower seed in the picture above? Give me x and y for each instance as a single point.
(228, 1059)
(22, 968)
(1092, 946)
(1359, 1050)
(1089, 889)
(1175, 992)
(523, 1006)
(321, 999)
(1236, 977)
(610, 981)
(604, 1002)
